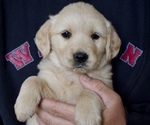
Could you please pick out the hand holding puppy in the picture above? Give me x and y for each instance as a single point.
(52, 112)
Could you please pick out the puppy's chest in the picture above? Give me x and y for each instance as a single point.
(68, 88)
(71, 92)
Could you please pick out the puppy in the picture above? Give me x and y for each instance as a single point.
(78, 40)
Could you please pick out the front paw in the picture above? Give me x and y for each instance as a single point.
(28, 99)
(88, 109)
(26, 106)
(87, 116)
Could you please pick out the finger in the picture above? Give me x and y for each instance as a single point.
(58, 109)
(40, 121)
(45, 118)
(107, 94)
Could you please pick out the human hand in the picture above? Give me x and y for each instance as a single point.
(114, 113)
(53, 112)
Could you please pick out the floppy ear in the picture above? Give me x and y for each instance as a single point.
(113, 44)
(42, 38)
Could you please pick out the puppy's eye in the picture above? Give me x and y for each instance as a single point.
(66, 34)
(95, 36)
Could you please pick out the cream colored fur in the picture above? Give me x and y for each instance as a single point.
(58, 77)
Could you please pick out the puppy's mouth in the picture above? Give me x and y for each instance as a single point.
(80, 68)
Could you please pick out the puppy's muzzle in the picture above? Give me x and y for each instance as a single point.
(80, 58)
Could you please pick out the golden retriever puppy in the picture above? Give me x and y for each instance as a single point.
(78, 40)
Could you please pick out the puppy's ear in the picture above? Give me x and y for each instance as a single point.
(42, 38)
(113, 43)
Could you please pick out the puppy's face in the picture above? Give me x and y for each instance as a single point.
(80, 37)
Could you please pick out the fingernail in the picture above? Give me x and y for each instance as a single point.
(85, 78)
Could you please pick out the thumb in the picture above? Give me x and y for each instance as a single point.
(99, 87)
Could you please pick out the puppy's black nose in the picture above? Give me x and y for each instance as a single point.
(80, 57)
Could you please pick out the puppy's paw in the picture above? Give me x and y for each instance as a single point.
(28, 99)
(32, 121)
(26, 106)
(86, 116)
(88, 109)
